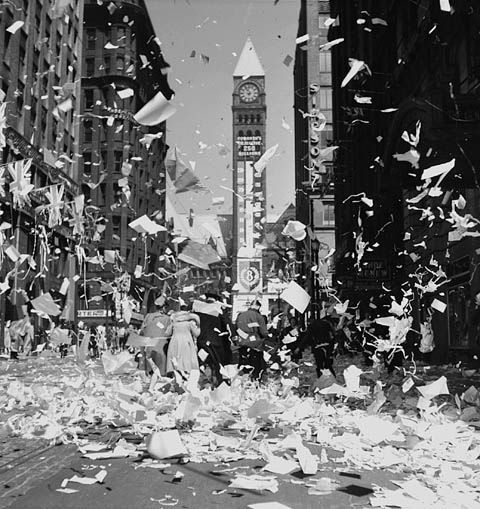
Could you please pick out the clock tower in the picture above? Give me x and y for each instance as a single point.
(249, 114)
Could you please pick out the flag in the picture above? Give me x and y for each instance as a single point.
(156, 111)
(20, 186)
(77, 214)
(55, 205)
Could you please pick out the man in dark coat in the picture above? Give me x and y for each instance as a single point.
(320, 337)
(252, 331)
(214, 338)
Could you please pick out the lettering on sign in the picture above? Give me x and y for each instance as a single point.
(249, 146)
(92, 313)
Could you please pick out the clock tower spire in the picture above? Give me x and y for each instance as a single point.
(249, 116)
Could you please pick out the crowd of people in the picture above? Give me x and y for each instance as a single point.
(201, 335)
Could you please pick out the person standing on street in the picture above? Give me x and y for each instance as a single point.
(214, 335)
(320, 337)
(252, 330)
(155, 325)
(182, 352)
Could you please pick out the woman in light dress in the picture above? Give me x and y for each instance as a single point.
(182, 350)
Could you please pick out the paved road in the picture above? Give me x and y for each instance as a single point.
(203, 485)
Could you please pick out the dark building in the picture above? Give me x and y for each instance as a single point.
(40, 58)
(313, 137)
(123, 173)
(412, 105)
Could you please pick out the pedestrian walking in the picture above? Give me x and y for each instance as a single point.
(155, 325)
(182, 350)
(319, 336)
(214, 337)
(252, 331)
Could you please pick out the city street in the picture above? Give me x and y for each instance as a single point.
(352, 461)
(239, 254)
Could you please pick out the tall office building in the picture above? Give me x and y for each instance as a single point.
(123, 173)
(313, 158)
(411, 106)
(249, 119)
(40, 59)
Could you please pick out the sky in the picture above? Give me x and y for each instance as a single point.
(203, 91)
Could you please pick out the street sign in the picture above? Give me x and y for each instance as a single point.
(91, 313)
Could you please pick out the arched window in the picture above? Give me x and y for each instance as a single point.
(249, 133)
(240, 133)
(258, 133)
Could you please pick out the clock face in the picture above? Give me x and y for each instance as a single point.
(248, 93)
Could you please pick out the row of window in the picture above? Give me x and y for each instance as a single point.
(250, 119)
(122, 63)
(249, 133)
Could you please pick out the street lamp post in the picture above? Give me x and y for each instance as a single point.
(315, 246)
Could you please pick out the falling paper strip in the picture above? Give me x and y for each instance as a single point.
(45, 304)
(218, 200)
(156, 111)
(269, 505)
(355, 67)
(15, 26)
(439, 169)
(265, 158)
(439, 305)
(445, 5)
(124, 94)
(301, 39)
(330, 44)
(296, 296)
(144, 224)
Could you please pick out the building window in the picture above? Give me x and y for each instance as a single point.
(118, 161)
(90, 66)
(87, 163)
(91, 38)
(120, 63)
(325, 61)
(116, 223)
(323, 213)
(325, 99)
(87, 130)
(328, 214)
(89, 98)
